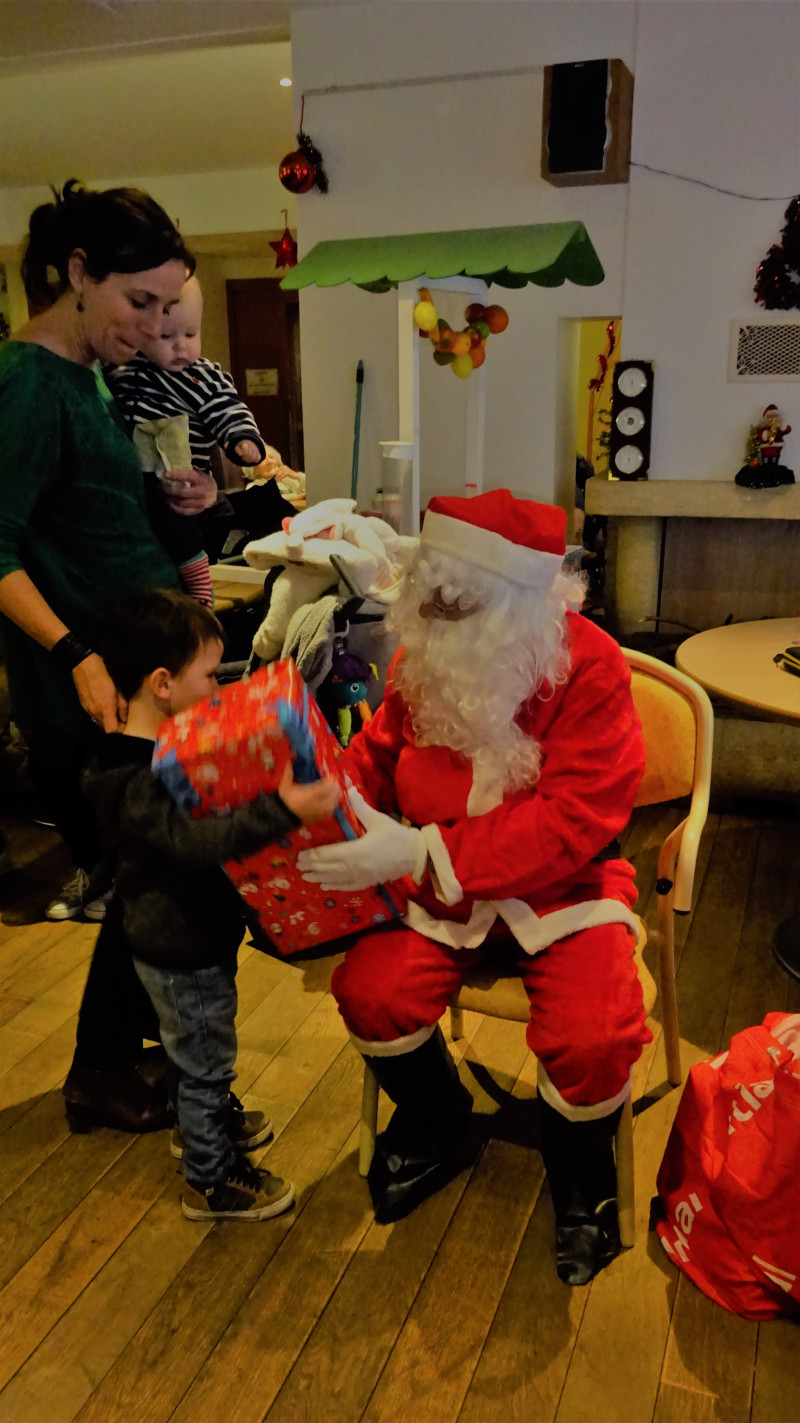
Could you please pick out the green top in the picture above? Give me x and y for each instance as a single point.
(72, 515)
(545, 253)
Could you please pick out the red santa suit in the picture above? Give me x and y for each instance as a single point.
(524, 868)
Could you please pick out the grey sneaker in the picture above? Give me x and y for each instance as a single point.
(68, 903)
(247, 1130)
(247, 1193)
(95, 909)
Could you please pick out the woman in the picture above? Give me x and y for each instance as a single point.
(100, 270)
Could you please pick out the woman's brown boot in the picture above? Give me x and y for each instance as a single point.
(118, 1098)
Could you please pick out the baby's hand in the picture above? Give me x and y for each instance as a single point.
(309, 803)
(248, 451)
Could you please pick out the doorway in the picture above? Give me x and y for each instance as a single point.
(264, 335)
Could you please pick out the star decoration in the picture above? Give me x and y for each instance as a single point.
(285, 250)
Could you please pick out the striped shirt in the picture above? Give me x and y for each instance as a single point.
(203, 391)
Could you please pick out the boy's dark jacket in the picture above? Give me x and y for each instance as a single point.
(179, 909)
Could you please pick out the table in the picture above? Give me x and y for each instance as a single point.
(735, 663)
(229, 594)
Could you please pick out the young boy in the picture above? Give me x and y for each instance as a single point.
(180, 913)
(170, 377)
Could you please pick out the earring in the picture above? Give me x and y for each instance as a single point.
(80, 304)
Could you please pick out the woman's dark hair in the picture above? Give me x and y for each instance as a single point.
(120, 230)
(161, 628)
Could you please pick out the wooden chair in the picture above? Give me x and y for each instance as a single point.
(677, 724)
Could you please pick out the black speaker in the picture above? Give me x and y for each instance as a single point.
(586, 122)
(631, 420)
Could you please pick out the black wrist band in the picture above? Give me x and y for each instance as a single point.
(69, 651)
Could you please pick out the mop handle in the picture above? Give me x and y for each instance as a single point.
(357, 429)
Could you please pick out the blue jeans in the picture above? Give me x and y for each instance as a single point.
(197, 1010)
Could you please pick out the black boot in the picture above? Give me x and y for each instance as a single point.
(579, 1160)
(418, 1152)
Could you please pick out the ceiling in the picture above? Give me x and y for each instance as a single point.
(186, 111)
(37, 32)
(116, 89)
(129, 88)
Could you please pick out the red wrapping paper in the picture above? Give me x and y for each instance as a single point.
(230, 748)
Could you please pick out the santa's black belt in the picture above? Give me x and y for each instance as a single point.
(612, 851)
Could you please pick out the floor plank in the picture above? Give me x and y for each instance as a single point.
(343, 1359)
(776, 1386)
(27, 946)
(151, 1376)
(55, 1275)
(440, 1343)
(60, 1376)
(113, 1307)
(43, 1069)
(709, 1363)
(48, 1196)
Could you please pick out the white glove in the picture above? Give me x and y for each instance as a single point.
(387, 852)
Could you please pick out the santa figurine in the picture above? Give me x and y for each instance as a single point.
(508, 743)
(771, 435)
(767, 471)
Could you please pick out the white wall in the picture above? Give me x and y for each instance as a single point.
(716, 98)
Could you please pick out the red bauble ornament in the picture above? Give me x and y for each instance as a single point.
(285, 250)
(296, 173)
(303, 169)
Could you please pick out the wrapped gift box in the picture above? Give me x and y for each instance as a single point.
(225, 751)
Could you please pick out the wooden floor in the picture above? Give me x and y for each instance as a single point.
(113, 1307)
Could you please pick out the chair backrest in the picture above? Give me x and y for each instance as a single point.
(678, 728)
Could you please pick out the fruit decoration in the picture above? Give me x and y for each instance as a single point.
(303, 168)
(285, 248)
(463, 351)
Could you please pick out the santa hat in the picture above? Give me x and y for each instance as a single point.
(516, 538)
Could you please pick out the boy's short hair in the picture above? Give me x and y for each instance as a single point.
(161, 628)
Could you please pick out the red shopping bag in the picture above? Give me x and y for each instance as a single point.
(223, 752)
(730, 1177)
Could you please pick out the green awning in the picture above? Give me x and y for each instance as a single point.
(547, 254)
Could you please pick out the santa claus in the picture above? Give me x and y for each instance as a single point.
(508, 743)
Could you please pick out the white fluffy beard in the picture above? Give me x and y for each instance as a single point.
(466, 680)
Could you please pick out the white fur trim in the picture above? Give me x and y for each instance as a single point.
(534, 932)
(396, 1046)
(485, 793)
(446, 881)
(445, 931)
(553, 1098)
(531, 568)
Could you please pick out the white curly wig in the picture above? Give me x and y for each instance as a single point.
(466, 680)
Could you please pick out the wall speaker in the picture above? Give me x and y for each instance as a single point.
(631, 419)
(586, 123)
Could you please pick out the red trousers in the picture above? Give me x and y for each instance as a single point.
(587, 1024)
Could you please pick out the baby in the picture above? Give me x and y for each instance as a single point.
(169, 377)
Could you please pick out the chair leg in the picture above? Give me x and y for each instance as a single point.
(625, 1178)
(456, 1023)
(668, 993)
(369, 1120)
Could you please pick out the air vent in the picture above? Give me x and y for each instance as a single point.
(765, 350)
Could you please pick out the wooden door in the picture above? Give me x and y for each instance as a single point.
(263, 329)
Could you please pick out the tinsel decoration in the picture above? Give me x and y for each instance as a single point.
(778, 278)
